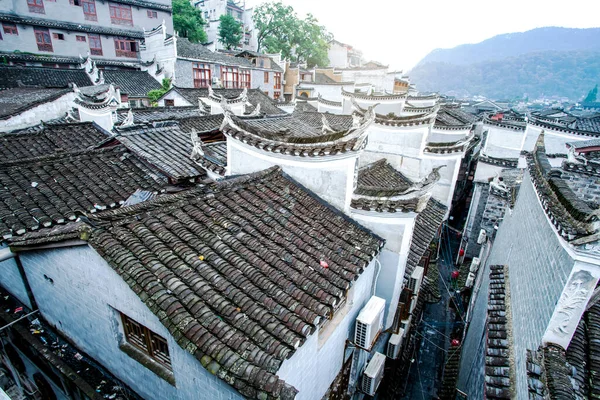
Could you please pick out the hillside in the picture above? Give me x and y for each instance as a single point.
(546, 61)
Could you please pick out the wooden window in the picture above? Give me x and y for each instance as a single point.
(75, 2)
(266, 77)
(170, 102)
(147, 341)
(42, 38)
(95, 45)
(245, 78)
(230, 77)
(124, 98)
(201, 75)
(58, 36)
(276, 95)
(126, 48)
(89, 10)
(277, 80)
(120, 14)
(152, 14)
(10, 29)
(36, 6)
(80, 38)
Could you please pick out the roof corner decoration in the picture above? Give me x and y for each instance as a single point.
(128, 121)
(256, 112)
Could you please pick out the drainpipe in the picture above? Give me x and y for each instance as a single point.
(6, 254)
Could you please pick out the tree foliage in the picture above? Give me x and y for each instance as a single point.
(156, 94)
(230, 31)
(280, 30)
(592, 95)
(188, 22)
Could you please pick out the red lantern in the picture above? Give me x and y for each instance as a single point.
(455, 342)
(461, 252)
(455, 274)
(324, 264)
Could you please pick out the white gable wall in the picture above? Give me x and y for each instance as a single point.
(81, 303)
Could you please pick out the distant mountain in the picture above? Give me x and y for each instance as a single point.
(545, 61)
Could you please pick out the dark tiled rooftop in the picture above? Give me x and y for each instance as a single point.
(152, 114)
(381, 179)
(163, 145)
(50, 139)
(498, 368)
(214, 158)
(195, 51)
(40, 192)
(234, 270)
(10, 76)
(454, 117)
(14, 101)
(132, 83)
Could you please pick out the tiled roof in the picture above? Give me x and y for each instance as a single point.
(323, 78)
(146, 4)
(255, 97)
(204, 124)
(14, 101)
(71, 26)
(42, 77)
(234, 271)
(40, 192)
(214, 158)
(152, 114)
(454, 117)
(132, 83)
(570, 214)
(498, 368)
(427, 224)
(304, 106)
(195, 51)
(50, 139)
(554, 373)
(163, 145)
(588, 124)
(381, 179)
(581, 145)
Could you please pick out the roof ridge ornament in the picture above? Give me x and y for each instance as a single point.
(128, 121)
(256, 111)
(197, 151)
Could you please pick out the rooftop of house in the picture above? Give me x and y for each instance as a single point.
(454, 117)
(568, 195)
(48, 139)
(561, 120)
(131, 82)
(255, 97)
(196, 51)
(572, 374)
(54, 189)
(153, 114)
(241, 271)
(213, 157)
(381, 179)
(18, 76)
(15, 101)
(163, 145)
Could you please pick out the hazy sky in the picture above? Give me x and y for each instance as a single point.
(401, 32)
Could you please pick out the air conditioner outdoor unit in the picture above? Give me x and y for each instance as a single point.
(414, 282)
(394, 345)
(373, 374)
(369, 323)
(475, 264)
(470, 280)
(482, 236)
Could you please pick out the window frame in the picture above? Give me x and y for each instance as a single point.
(10, 29)
(266, 76)
(116, 14)
(123, 47)
(58, 36)
(202, 75)
(36, 6)
(147, 341)
(277, 80)
(94, 39)
(45, 34)
(171, 102)
(80, 38)
(152, 14)
(230, 77)
(87, 6)
(245, 78)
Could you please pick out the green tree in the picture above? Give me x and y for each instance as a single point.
(312, 42)
(230, 31)
(276, 25)
(592, 95)
(280, 30)
(156, 94)
(188, 22)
